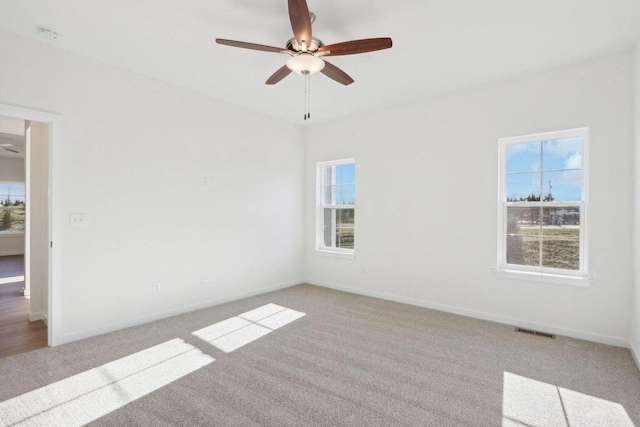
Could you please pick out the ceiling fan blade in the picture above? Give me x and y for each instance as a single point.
(300, 21)
(357, 46)
(279, 75)
(9, 149)
(336, 74)
(252, 46)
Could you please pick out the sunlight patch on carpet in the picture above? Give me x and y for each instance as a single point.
(231, 334)
(536, 403)
(87, 396)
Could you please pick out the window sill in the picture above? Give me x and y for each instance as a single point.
(579, 281)
(335, 254)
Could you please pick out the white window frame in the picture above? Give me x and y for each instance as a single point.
(544, 274)
(321, 249)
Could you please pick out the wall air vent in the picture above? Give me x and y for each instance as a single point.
(536, 333)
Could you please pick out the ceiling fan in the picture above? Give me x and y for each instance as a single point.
(307, 52)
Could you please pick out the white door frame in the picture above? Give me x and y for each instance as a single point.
(27, 213)
(55, 212)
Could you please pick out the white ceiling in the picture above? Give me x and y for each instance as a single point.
(439, 45)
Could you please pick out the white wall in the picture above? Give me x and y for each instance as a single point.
(426, 197)
(38, 218)
(635, 329)
(133, 154)
(12, 169)
(11, 244)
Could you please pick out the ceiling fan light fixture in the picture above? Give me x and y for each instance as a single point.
(305, 64)
(312, 46)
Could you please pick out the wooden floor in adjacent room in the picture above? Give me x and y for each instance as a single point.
(17, 333)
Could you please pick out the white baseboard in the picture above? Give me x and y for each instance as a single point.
(635, 354)
(75, 336)
(39, 316)
(588, 336)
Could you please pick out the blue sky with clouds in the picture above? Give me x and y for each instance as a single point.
(345, 184)
(556, 163)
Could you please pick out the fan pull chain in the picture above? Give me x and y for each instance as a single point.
(307, 95)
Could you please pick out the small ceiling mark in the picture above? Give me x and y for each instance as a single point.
(47, 33)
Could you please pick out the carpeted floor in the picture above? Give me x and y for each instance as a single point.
(350, 361)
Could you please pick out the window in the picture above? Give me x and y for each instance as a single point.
(12, 196)
(542, 212)
(335, 217)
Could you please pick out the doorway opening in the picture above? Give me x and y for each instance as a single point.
(24, 235)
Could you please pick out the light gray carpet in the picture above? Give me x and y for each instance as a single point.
(351, 361)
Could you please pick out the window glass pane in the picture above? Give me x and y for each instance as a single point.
(328, 195)
(523, 187)
(329, 218)
(346, 174)
(561, 222)
(328, 185)
(561, 154)
(523, 250)
(328, 236)
(345, 217)
(11, 220)
(345, 238)
(523, 157)
(339, 228)
(330, 228)
(4, 187)
(561, 238)
(523, 236)
(561, 252)
(346, 194)
(523, 221)
(328, 175)
(565, 186)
